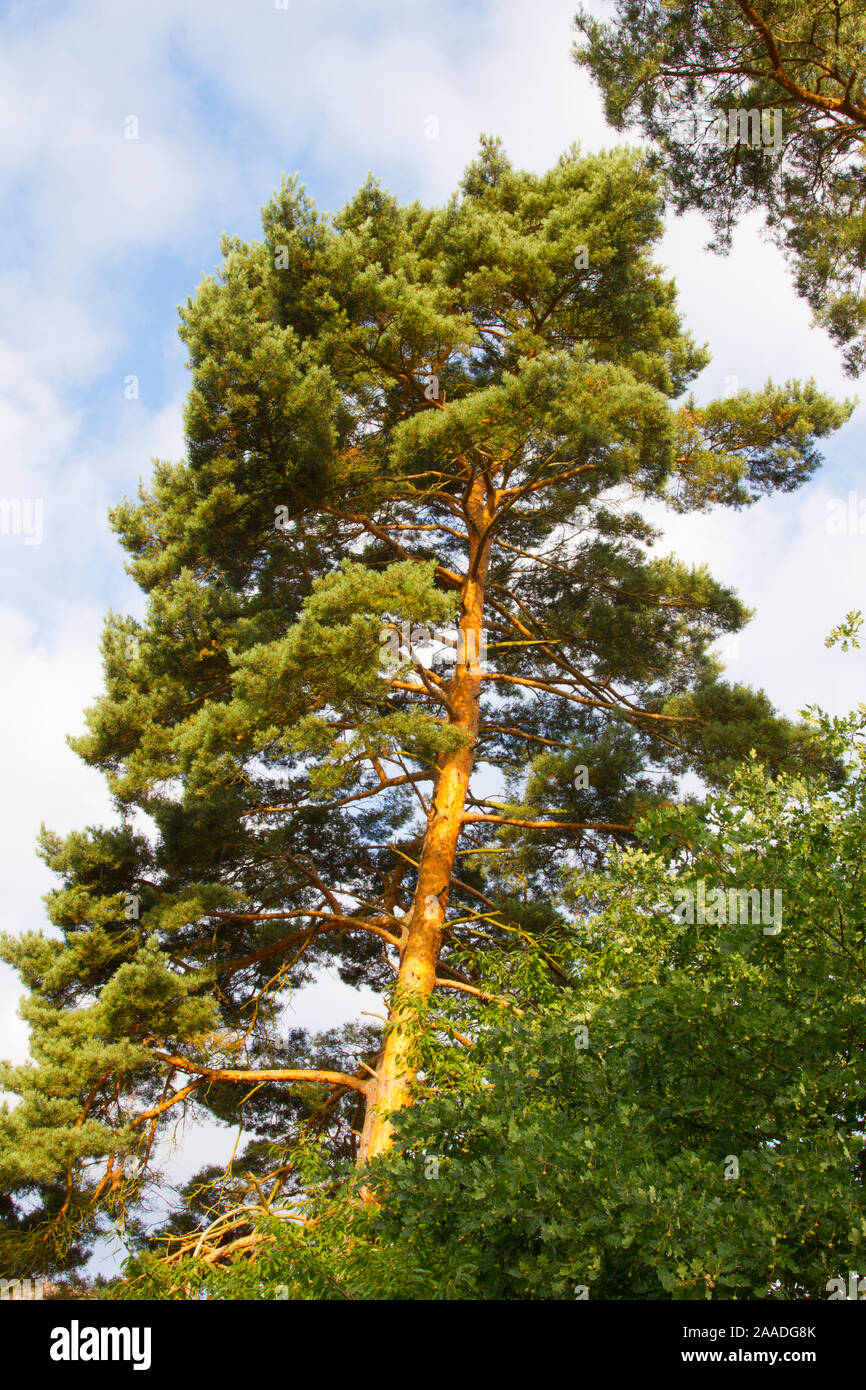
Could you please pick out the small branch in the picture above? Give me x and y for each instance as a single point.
(478, 993)
(167, 1104)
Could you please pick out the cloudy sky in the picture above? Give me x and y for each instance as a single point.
(104, 235)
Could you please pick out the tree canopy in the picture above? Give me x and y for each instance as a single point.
(408, 655)
(667, 69)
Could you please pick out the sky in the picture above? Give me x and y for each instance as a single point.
(131, 137)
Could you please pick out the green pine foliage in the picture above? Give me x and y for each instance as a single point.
(659, 64)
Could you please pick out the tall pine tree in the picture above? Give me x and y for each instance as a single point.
(407, 655)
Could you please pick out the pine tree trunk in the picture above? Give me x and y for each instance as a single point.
(416, 978)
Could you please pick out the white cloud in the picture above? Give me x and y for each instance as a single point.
(46, 688)
(800, 580)
(35, 427)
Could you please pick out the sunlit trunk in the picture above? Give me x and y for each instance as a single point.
(396, 1067)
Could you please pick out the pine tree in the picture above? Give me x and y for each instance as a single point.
(407, 655)
(753, 106)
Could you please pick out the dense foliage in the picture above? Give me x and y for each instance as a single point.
(684, 1118)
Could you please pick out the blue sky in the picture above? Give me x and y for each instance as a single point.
(103, 236)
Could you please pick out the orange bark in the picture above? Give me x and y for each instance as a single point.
(391, 1089)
